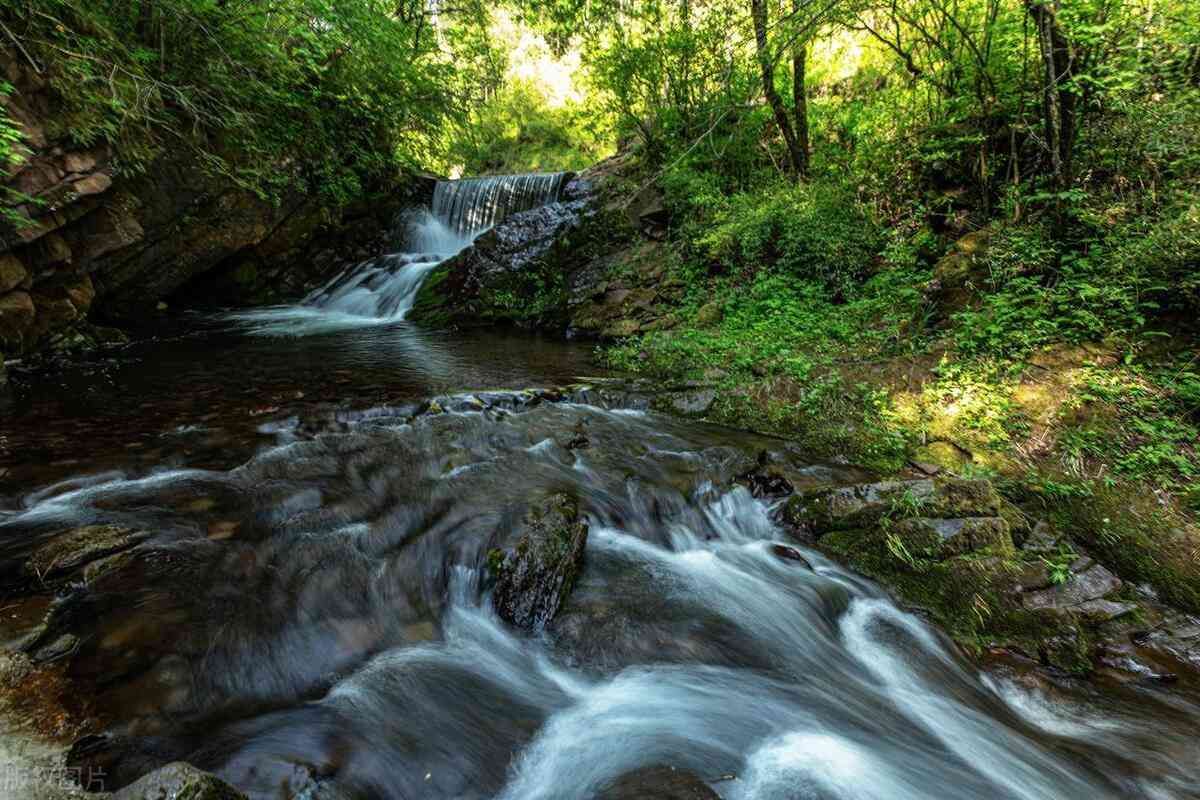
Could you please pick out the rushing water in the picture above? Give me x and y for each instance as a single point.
(382, 290)
(297, 596)
(315, 623)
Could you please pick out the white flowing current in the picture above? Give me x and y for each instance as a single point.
(382, 290)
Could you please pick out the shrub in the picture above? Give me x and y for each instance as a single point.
(806, 232)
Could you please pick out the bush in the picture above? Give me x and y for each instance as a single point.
(806, 232)
(517, 130)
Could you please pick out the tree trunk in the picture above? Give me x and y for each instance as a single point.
(1058, 104)
(758, 12)
(145, 22)
(800, 99)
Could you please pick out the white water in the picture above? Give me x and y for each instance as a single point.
(382, 290)
(688, 642)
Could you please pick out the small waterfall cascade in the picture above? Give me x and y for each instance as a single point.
(472, 205)
(383, 289)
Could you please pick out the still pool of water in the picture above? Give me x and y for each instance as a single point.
(209, 394)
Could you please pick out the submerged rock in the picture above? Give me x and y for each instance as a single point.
(534, 579)
(80, 547)
(658, 783)
(179, 781)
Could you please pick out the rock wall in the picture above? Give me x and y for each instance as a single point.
(79, 239)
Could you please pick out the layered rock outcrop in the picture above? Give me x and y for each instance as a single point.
(83, 236)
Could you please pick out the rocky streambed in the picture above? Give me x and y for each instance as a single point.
(566, 593)
(314, 552)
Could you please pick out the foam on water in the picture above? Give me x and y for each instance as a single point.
(381, 291)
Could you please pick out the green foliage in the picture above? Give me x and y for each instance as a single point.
(516, 130)
(10, 158)
(296, 95)
(807, 232)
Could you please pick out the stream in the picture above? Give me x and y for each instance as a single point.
(295, 509)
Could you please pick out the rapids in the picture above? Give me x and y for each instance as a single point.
(269, 557)
(315, 623)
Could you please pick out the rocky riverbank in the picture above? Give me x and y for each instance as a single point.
(87, 243)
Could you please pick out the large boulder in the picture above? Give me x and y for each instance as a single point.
(535, 577)
(958, 274)
(179, 781)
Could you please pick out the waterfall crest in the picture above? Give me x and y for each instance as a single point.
(383, 289)
(472, 205)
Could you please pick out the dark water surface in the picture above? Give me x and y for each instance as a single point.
(209, 397)
(296, 594)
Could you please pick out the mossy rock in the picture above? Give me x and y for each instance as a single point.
(953, 537)
(710, 314)
(866, 504)
(431, 305)
(1126, 528)
(80, 547)
(974, 597)
(179, 781)
(535, 578)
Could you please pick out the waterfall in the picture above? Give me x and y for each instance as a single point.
(383, 289)
(472, 205)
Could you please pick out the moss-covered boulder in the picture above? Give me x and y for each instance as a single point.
(862, 505)
(179, 781)
(956, 274)
(535, 577)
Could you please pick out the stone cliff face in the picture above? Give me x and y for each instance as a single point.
(80, 240)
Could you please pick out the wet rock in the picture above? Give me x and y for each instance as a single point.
(790, 554)
(579, 438)
(1176, 640)
(658, 783)
(766, 484)
(693, 403)
(76, 548)
(179, 781)
(534, 579)
(1092, 583)
(60, 648)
